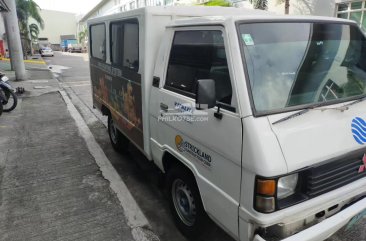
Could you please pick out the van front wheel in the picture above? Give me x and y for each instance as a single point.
(185, 202)
(118, 140)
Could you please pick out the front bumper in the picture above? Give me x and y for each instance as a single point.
(328, 227)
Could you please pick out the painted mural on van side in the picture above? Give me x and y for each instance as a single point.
(120, 91)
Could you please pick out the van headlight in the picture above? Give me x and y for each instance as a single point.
(286, 185)
(276, 193)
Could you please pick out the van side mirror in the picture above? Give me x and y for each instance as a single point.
(205, 94)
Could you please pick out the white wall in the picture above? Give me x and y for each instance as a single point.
(104, 9)
(56, 24)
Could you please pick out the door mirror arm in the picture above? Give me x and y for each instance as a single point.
(218, 114)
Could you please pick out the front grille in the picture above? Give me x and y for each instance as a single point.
(333, 175)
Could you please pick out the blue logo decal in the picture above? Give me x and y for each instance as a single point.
(359, 130)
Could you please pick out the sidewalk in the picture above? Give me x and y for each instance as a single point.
(50, 185)
(35, 66)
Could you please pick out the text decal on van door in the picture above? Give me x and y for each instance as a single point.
(185, 146)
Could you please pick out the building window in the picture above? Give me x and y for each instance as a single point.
(355, 10)
(168, 2)
(97, 40)
(125, 44)
(132, 5)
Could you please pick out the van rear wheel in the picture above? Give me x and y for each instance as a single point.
(118, 140)
(185, 202)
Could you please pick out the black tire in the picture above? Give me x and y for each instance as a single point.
(119, 142)
(12, 98)
(181, 185)
(1, 108)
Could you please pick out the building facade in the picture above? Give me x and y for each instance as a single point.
(56, 24)
(354, 10)
(347, 9)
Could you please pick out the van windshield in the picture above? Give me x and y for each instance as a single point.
(296, 65)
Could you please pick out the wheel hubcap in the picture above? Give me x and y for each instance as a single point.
(184, 202)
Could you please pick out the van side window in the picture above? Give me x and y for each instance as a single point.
(125, 44)
(198, 54)
(97, 39)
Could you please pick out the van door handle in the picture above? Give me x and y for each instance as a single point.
(164, 107)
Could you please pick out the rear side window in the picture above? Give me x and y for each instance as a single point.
(125, 44)
(97, 39)
(198, 54)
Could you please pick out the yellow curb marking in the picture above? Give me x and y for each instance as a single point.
(28, 61)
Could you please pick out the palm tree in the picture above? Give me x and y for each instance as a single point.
(34, 31)
(27, 9)
(260, 4)
(287, 5)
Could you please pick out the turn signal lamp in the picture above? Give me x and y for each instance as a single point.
(265, 192)
(266, 187)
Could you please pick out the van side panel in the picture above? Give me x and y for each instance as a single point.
(119, 89)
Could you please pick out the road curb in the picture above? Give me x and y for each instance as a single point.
(140, 227)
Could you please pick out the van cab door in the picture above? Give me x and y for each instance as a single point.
(210, 145)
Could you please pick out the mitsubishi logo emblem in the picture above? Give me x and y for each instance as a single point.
(363, 166)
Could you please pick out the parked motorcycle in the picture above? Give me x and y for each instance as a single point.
(8, 97)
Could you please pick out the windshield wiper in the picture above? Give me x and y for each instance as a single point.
(341, 108)
(356, 101)
(301, 112)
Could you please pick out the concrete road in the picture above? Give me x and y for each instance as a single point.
(141, 177)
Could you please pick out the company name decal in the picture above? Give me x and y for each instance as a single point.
(185, 146)
(183, 108)
(359, 130)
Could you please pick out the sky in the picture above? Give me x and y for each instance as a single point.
(73, 6)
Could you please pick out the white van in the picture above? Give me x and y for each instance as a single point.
(257, 120)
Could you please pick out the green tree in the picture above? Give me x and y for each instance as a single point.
(83, 36)
(28, 9)
(221, 3)
(34, 31)
(260, 4)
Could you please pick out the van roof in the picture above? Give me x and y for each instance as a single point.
(209, 20)
(182, 11)
(195, 15)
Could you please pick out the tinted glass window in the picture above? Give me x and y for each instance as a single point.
(97, 35)
(294, 64)
(125, 44)
(199, 55)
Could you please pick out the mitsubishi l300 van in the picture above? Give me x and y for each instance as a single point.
(258, 121)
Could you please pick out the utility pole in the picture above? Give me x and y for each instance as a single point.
(8, 42)
(13, 35)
